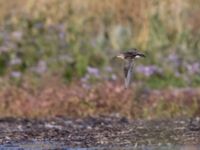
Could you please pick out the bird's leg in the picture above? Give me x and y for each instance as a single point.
(128, 69)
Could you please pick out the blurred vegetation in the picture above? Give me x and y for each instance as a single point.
(65, 37)
(74, 40)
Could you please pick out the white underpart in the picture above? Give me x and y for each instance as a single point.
(138, 56)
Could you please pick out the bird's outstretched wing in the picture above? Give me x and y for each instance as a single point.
(128, 70)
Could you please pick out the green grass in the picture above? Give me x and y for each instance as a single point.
(195, 81)
(166, 81)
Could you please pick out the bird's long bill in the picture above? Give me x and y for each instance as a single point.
(128, 74)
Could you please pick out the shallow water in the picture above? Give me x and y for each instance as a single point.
(56, 145)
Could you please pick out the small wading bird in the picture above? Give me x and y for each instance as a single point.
(128, 57)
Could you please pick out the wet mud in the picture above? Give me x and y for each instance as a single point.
(99, 132)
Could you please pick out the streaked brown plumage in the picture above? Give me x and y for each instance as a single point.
(130, 54)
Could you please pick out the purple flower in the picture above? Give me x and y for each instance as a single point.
(177, 74)
(173, 57)
(108, 69)
(84, 81)
(4, 49)
(93, 71)
(148, 70)
(16, 74)
(17, 35)
(41, 67)
(15, 61)
(86, 85)
(60, 27)
(85, 78)
(193, 68)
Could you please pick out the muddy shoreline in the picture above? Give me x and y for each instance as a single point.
(98, 131)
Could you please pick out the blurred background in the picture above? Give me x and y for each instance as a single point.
(56, 58)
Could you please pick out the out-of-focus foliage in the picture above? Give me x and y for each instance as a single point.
(74, 40)
(69, 37)
(105, 98)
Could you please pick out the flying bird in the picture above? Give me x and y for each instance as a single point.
(128, 57)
